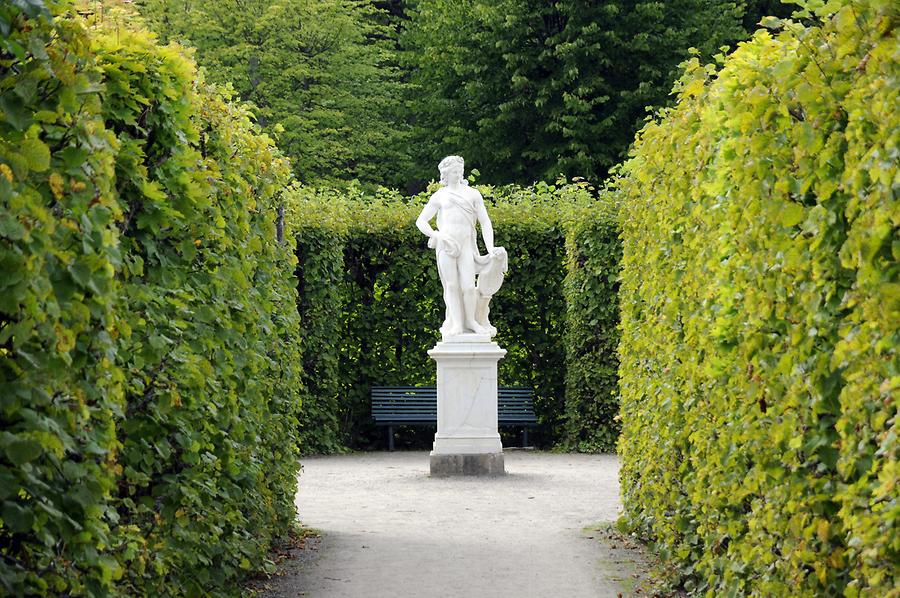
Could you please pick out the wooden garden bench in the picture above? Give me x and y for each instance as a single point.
(417, 406)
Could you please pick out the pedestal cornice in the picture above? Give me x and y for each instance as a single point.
(467, 350)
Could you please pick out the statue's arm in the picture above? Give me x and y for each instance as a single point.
(423, 221)
(487, 229)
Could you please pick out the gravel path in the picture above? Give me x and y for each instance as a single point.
(390, 530)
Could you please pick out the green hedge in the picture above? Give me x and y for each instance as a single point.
(149, 369)
(371, 305)
(760, 310)
(591, 290)
(60, 383)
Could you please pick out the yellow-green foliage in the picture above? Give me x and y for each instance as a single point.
(149, 366)
(760, 314)
(356, 210)
(60, 385)
(370, 303)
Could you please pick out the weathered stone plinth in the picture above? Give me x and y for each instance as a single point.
(484, 464)
(467, 441)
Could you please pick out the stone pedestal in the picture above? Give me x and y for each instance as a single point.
(467, 441)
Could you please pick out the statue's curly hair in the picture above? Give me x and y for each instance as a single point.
(446, 163)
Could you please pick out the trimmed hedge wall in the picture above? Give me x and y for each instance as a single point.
(149, 370)
(760, 311)
(60, 385)
(370, 303)
(594, 253)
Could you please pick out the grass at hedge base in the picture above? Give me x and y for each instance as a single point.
(149, 359)
(370, 303)
(759, 372)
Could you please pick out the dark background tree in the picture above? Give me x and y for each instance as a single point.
(528, 89)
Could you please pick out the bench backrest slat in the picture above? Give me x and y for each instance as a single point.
(411, 404)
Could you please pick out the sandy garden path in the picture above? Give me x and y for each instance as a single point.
(388, 529)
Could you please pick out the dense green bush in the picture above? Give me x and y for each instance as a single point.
(210, 349)
(760, 312)
(320, 303)
(150, 364)
(371, 305)
(60, 383)
(592, 336)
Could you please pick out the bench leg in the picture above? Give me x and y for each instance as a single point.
(524, 436)
(391, 438)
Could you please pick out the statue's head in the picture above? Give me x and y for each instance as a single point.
(451, 169)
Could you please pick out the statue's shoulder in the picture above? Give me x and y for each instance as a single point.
(473, 196)
(444, 196)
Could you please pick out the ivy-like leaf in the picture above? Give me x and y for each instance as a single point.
(21, 450)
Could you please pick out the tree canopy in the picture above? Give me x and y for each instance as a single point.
(380, 90)
(529, 89)
(323, 74)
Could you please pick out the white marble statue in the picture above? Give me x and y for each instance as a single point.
(458, 207)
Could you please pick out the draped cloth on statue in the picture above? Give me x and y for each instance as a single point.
(467, 207)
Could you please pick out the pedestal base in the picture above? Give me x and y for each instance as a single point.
(467, 442)
(480, 464)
